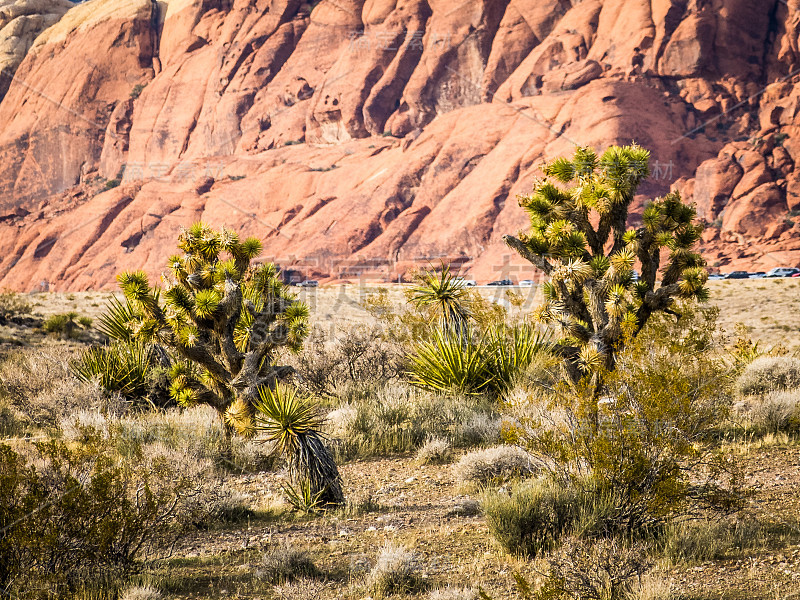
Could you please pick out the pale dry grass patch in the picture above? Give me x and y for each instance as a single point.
(495, 465)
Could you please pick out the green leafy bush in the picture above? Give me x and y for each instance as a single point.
(78, 515)
(118, 368)
(67, 325)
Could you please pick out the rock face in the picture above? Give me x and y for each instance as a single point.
(375, 135)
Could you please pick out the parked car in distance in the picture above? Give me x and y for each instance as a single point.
(527, 283)
(782, 272)
(716, 276)
(757, 275)
(466, 282)
(501, 282)
(737, 275)
(308, 283)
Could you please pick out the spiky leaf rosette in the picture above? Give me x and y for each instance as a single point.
(293, 424)
(224, 317)
(579, 237)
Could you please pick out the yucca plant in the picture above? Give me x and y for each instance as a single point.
(579, 237)
(118, 368)
(222, 317)
(452, 364)
(293, 424)
(512, 349)
(445, 295)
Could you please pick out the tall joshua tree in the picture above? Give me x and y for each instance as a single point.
(224, 319)
(579, 238)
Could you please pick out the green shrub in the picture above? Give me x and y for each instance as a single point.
(769, 373)
(533, 516)
(67, 325)
(78, 515)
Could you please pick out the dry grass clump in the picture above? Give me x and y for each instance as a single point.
(454, 593)
(140, 592)
(495, 464)
(40, 386)
(284, 564)
(769, 373)
(395, 572)
(399, 418)
(435, 450)
(304, 588)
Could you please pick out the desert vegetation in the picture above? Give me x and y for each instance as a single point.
(215, 436)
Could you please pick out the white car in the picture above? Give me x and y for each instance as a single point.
(466, 282)
(782, 272)
(527, 283)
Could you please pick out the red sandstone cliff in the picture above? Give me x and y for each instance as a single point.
(383, 132)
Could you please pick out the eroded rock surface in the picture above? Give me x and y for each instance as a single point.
(380, 134)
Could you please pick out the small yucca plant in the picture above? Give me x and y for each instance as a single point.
(293, 424)
(446, 297)
(120, 368)
(450, 364)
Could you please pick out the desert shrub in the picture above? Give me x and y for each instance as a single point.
(654, 426)
(13, 304)
(600, 570)
(693, 541)
(75, 515)
(283, 564)
(67, 326)
(454, 593)
(303, 588)
(533, 517)
(776, 411)
(399, 418)
(40, 386)
(495, 464)
(769, 373)
(359, 355)
(435, 450)
(395, 572)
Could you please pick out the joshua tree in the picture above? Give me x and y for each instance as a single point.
(579, 238)
(222, 317)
